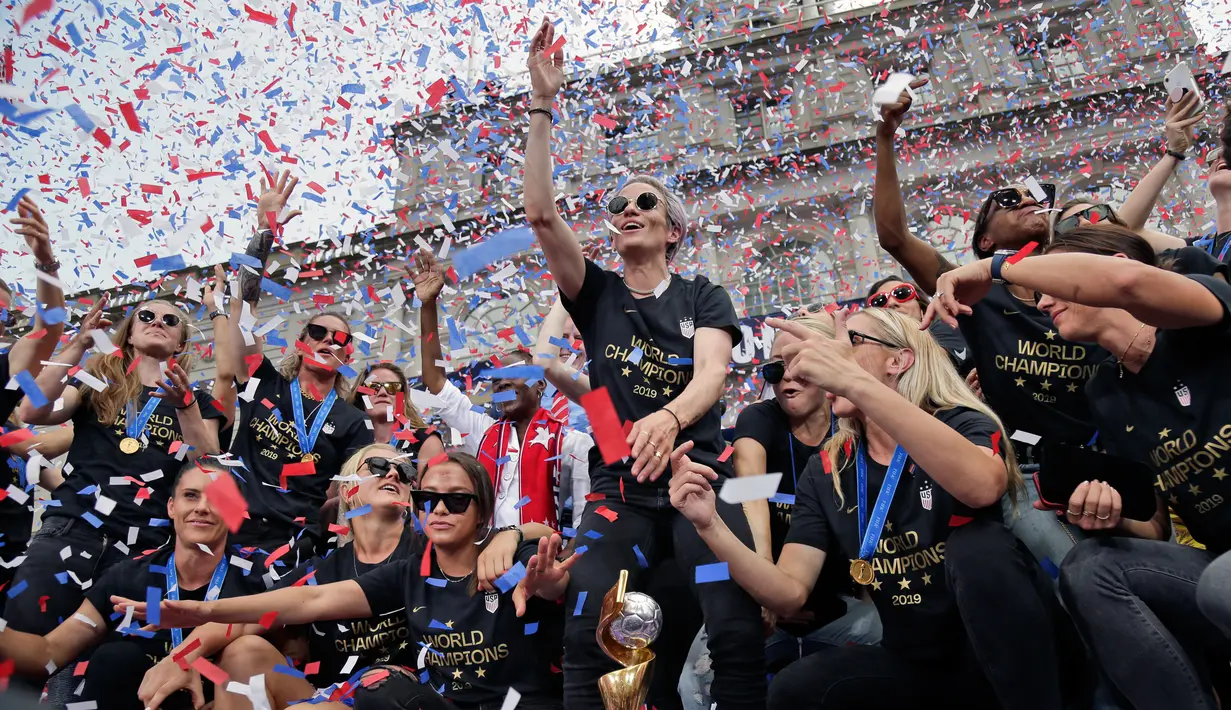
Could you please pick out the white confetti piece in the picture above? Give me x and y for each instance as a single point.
(1026, 437)
(742, 489)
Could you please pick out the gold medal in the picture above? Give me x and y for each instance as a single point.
(130, 445)
(862, 572)
(307, 458)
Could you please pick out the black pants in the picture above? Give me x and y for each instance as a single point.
(402, 692)
(114, 676)
(1022, 639)
(92, 554)
(646, 521)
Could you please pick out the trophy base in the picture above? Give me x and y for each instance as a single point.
(626, 688)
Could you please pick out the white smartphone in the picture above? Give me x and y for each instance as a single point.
(1180, 80)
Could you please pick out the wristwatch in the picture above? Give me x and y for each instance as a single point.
(998, 261)
(521, 536)
(217, 314)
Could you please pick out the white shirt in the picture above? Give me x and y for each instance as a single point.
(456, 411)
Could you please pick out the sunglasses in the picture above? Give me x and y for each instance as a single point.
(380, 467)
(1094, 214)
(168, 319)
(901, 294)
(1009, 197)
(646, 202)
(773, 372)
(455, 503)
(8, 317)
(316, 331)
(388, 387)
(858, 338)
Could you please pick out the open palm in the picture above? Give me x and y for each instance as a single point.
(546, 70)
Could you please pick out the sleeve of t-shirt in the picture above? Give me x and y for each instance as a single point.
(976, 427)
(1222, 291)
(385, 587)
(457, 411)
(9, 398)
(809, 526)
(526, 550)
(120, 580)
(715, 310)
(1192, 261)
(268, 376)
(205, 403)
(951, 340)
(756, 423)
(592, 285)
(302, 572)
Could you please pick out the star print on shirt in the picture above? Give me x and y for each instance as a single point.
(904, 583)
(667, 391)
(1219, 474)
(1020, 382)
(457, 674)
(626, 371)
(1046, 385)
(1164, 433)
(541, 437)
(1194, 489)
(1072, 387)
(481, 673)
(1050, 335)
(449, 623)
(927, 579)
(876, 585)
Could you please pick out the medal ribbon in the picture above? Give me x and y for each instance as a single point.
(307, 439)
(136, 425)
(870, 534)
(211, 594)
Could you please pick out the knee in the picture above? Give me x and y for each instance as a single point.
(793, 686)
(1085, 568)
(1214, 593)
(248, 654)
(115, 656)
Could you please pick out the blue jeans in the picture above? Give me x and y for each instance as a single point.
(861, 626)
(1048, 536)
(1214, 593)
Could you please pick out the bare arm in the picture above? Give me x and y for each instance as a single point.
(32, 654)
(48, 444)
(53, 381)
(226, 366)
(428, 282)
(294, 605)
(782, 588)
(1178, 129)
(1156, 528)
(711, 356)
(750, 460)
(564, 257)
(29, 352)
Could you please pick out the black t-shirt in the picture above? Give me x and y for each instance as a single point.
(911, 592)
(97, 467)
(130, 579)
(951, 340)
(16, 519)
(1175, 415)
(766, 423)
(267, 442)
(642, 352)
(479, 648)
(1215, 245)
(374, 641)
(9, 398)
(1030, 376)
(1192, 261)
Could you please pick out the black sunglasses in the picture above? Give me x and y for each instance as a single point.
(8, 317)
(773, 372)
(1094, 214)
(858, 338)
(168, 319)
(455, 503)
(1009, 197)
(380, 468)
(316, 331)
(646, 202)
(901, 294)
(388, 387)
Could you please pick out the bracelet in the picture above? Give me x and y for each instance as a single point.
(1177, 155)
(217, 314)
(678, 426)
(521, 536)
(545, 111)
(47, 268)
(186, 406)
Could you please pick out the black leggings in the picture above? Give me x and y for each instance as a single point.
(645, 519)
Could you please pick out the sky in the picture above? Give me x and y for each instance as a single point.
(143, 128)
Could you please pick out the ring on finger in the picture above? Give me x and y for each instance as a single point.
(1074, 514)
(1103, 517)
(658, 454)
(937, 295)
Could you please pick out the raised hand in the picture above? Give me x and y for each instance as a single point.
(691, 492)
(273, 200)
(176, 387)
(892, 114)
(546, 70)
(428, 277)
(33, 228)
(957, 291)
(1181, 121)
(497, 558)
(828, 363)
(94, 320)
(651, 438)
(546, 577)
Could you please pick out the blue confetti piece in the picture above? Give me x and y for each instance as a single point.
(783, 498)
(12, 204)
(518, 372)
(153, 605)
(1050, 567)
(278, 291)
(521, 503)
(78, 114)
(31, 390)
(18, 588)
(532, 628)
(436, 582)
(287, 670)
(175, 262)
(53, 316)
(679, 360)
(238, 259)
(581, 600)
(160, 523)
(364, 510)
(569, 532)
(640, 557)
(74, 35)
(593, 534)
(353, 89)
(716, 572)
(499, 246)
(91, 519)
(433, 624)
(509, 579)
(505, 396)
(635, 356)
(581, 550)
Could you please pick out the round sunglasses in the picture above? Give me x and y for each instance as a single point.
(388, 387)
(901, 294)
(168, 319)
(380, 467)
(773, 372)
(1010, 197)
(318, 332)
(646, 202)
(1094, 214)
(455, 503)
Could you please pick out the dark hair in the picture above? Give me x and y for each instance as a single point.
(1092, 201)
(923, 297)
(205, 464)
(480, 480)
(981, 220)
(409, 410)
(1105, 240)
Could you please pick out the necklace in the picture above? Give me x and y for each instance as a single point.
(354, 557)
(455, 580)
(1120, 360)
(651, 292)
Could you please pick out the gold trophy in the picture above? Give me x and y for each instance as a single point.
(629, 623)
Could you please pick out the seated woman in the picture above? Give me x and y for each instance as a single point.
(473, 646)
(902, 296)
(195, 567)
(780, 435)
(385, 397)
(933, 551)
(1162, 400)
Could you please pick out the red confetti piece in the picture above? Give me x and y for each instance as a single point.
(305, 579)
(957, 521)
(825, 462)
(101, 136)
(301, 468)
(438, 458)
(79, 669)
(312, 668)
(996, 443)
(726, 454)
(130, 117)
(33, 10)
(425, 565)
(269, 561)
(263, 17)
(145, 260)
(591, 497)
(606, 123)
(207, 669)
(15, 437)
(267, 619)
(374, 677)
(1023, 252)
(179, 656)
(607, 513)
(225, 498)
(605, 425)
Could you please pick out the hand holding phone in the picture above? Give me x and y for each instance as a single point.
(1181, 80)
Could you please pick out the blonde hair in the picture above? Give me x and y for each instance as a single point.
(930, 384)
(124, 386)
(350, 469)
(813, 321)
(293, 359)
(409, 410)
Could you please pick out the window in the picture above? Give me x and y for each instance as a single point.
(1031, 60)
(1066, 60)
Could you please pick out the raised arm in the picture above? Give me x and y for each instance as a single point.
(559, 243)
(1178, 130)
(29, 352)
(226, 367)
(429, 280)
(569, 381)
(33, 654)
(53, 381)
(918, 257)
(293, 606)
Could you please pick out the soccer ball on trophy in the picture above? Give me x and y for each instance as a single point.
(639, 623)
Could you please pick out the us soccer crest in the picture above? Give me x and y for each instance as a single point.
(1183, 394)
(686, 328)
(328, 428)
(491, 600)
(925, 495)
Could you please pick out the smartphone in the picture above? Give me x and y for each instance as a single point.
(1181, 80)
(1063, 467)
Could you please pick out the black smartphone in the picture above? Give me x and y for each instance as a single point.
(1062, 467)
